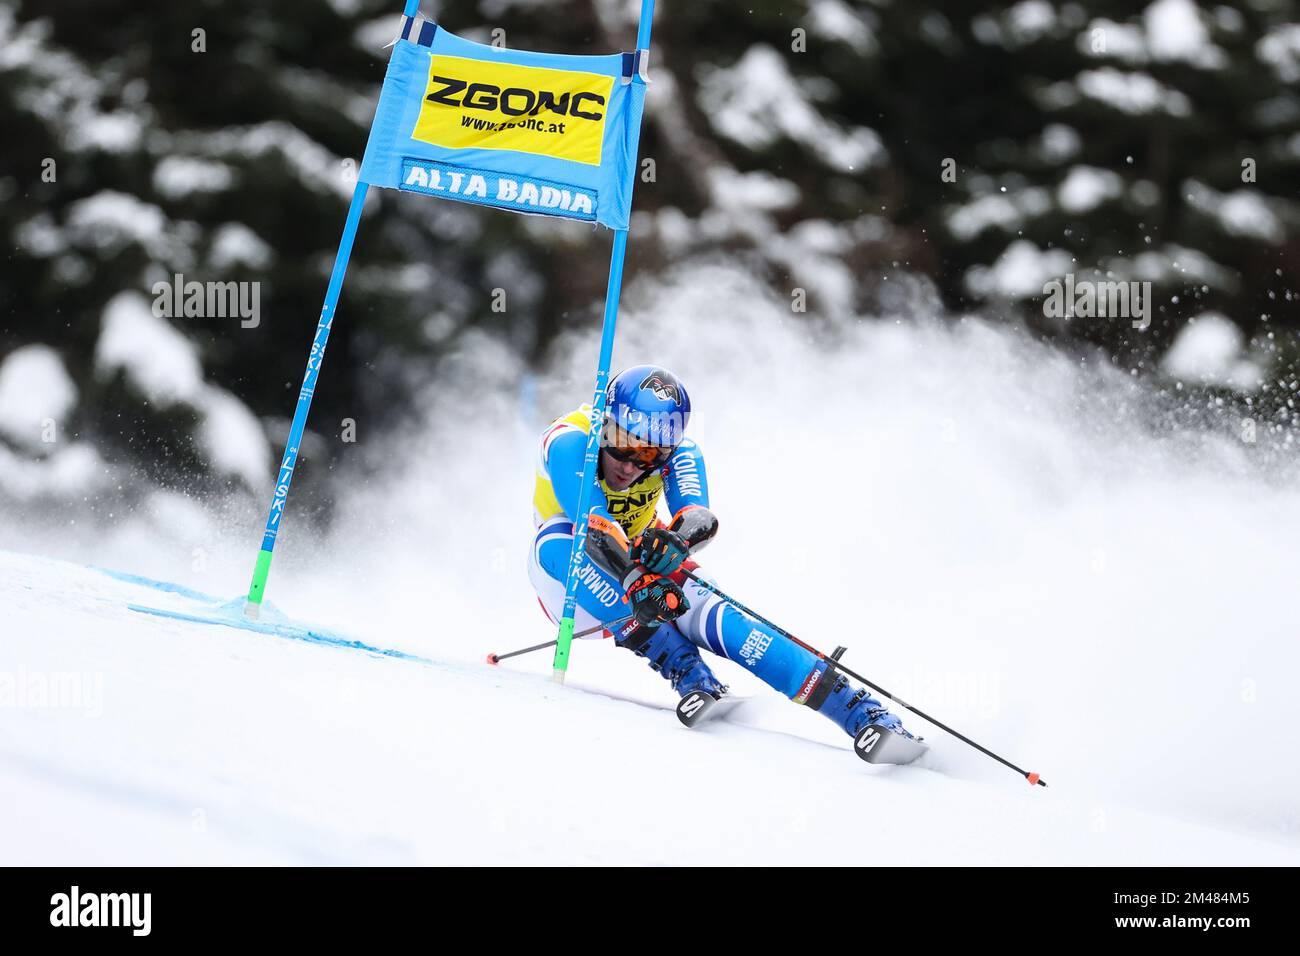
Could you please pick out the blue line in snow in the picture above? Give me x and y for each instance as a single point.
(232, 615)
(157, 585)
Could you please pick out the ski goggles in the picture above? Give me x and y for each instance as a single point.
(625, 447)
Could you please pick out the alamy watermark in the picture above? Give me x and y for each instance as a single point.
(53, 690)
(978, 692)
(1085, 298)
(208, 300)
(132, 911)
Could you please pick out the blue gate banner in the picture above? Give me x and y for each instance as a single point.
(538, 133)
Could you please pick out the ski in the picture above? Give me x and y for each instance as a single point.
(880, 745)
(699, 706)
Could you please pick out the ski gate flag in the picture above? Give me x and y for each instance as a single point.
(537, 133)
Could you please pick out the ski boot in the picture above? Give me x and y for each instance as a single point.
(865, 719)
(677, 659)
(852, 709)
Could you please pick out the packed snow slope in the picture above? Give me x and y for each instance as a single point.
(176, 742)
(997, 533)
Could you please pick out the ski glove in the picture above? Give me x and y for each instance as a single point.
(656, 600)
(660, 551)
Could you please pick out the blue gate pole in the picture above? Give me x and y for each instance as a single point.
(564, 638)
(257, 590)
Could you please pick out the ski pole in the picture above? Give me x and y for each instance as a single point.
(498, 658)
(834, 662)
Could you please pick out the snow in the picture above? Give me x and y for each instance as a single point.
(1020, 272)
(1178, 263)
(1280, 49)
(1144, 192)
(1030, 19)
(72, 469)
(1134, 92)
(39, 236)
(755, 190)
(67, 95)
(1106, 39)
(164, 365)
(117, 132)
(1170, 30)
(345, 8)
(315, 166)
(338, 756)
(812, 251)
(1244, 212)
(936, 30)
(179, 176)
(1173, 264)
(1087, 187)
(1176, 31)
(373, 35)
(836, 20)
(1247, 213)
(671, 226)
(1021, 554)
(757, 101)
(1208, 351)
(233, 439)
(615, 16)
(985, 29)
(1059, 143)
(234, 244)
(157, 359)
(1007, 211)
(1021, 25)
(34, 388)
(110, 220)
(1228, 19)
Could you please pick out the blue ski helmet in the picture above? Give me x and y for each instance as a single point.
(648, 405)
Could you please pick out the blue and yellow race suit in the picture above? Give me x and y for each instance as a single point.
(619, 516)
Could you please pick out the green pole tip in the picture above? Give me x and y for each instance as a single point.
(563, 640)
(257, 590)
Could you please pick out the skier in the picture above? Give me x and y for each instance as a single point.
(634, 563)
